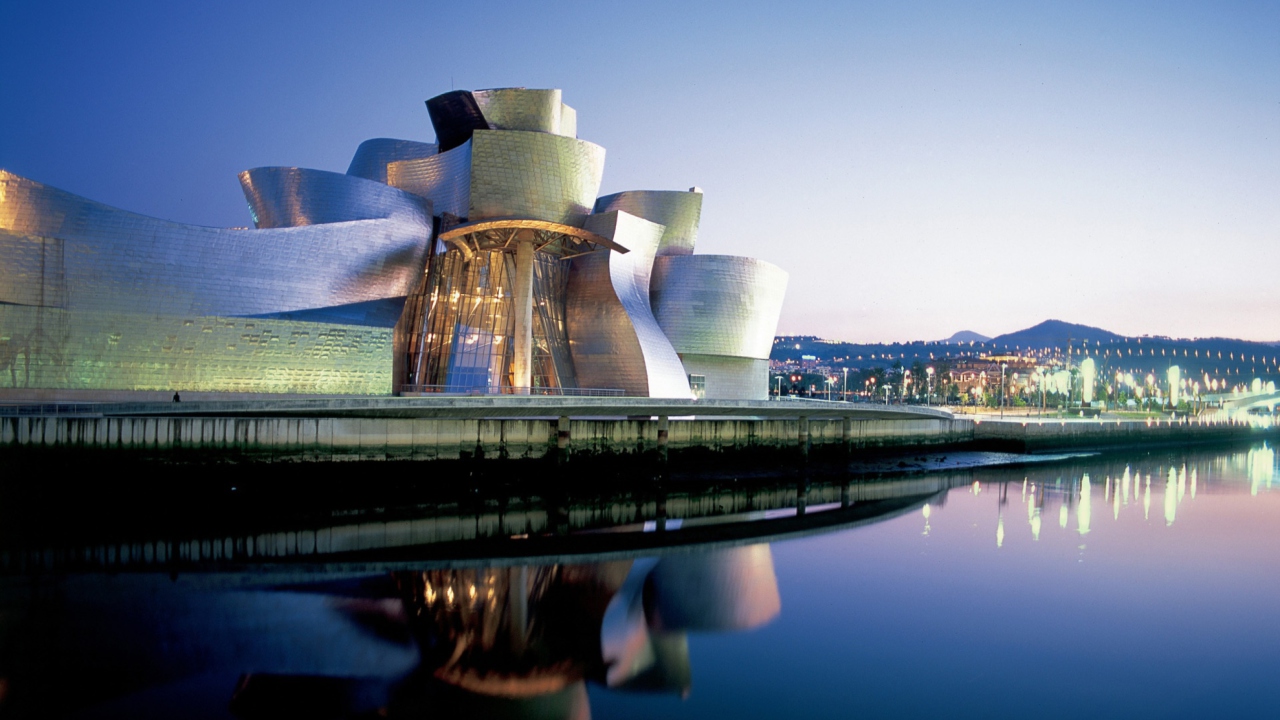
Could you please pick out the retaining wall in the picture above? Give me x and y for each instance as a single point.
(1041, 436)
(326, 439)
(318, 439)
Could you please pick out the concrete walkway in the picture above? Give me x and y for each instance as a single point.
(485, 407)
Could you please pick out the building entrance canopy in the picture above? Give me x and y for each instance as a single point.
(505, 234)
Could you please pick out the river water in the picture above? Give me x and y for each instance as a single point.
(1119, 585)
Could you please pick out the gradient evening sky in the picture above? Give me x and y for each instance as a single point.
(918, 168)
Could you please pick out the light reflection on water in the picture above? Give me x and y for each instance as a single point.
(916, 613)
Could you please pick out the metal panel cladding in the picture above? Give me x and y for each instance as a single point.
(54, 353)
(455, 115)
(533, 175)
(105, 300)
(613, 336)
(118, 261)
(292, 197)
(444, 179)
(678, 211)
(718, 304)
(520, 109)
(372, 157)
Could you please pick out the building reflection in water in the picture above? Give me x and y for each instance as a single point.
(510, 640)
(517, 642)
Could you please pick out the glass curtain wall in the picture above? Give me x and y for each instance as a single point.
(465, 325)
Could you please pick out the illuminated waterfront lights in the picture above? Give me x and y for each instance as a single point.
(1088, 374)
(1175, 379)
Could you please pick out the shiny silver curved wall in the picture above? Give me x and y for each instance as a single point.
(720, 312)
(533, 175)
(372, 157)
(100, 299)
(526, 109)
(444, 179)
(120, 261)
(281, 197)
(679, 212)
(613, 336)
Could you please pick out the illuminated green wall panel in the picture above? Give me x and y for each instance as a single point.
(47, 348)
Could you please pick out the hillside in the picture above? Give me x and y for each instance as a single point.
(1055, 333)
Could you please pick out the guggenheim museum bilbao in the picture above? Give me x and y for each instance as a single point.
(482, 263)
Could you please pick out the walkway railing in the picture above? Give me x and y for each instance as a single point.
(474, 391)
(44, 409)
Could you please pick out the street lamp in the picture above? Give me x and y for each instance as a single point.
(928, 398)
(779, 379)
(1002, 369)
(844, 386)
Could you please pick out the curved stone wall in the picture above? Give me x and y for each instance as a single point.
(678, 211)
(718, 304)
(372, 157)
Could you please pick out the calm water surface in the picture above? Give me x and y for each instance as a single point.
(1105, 586)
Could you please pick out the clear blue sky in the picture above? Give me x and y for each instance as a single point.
(919, 168)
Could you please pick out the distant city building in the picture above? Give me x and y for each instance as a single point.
(481, 263)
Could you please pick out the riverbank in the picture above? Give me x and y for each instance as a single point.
(561, 429)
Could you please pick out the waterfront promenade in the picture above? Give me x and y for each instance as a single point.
(531, 428)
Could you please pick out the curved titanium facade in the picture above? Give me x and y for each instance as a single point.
(372, 157)
(118, 261)
(332, 293)
(51, 353)
(113, 300)
(679, 212)
(444, 179)
(455, 115)
(533, 175)
(613, 336)
(720, 313)
(718, 304)
(524, 109)
(281, 197)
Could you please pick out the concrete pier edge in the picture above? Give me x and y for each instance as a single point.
(524, 428)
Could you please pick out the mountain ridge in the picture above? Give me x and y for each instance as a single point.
(1056, 333)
